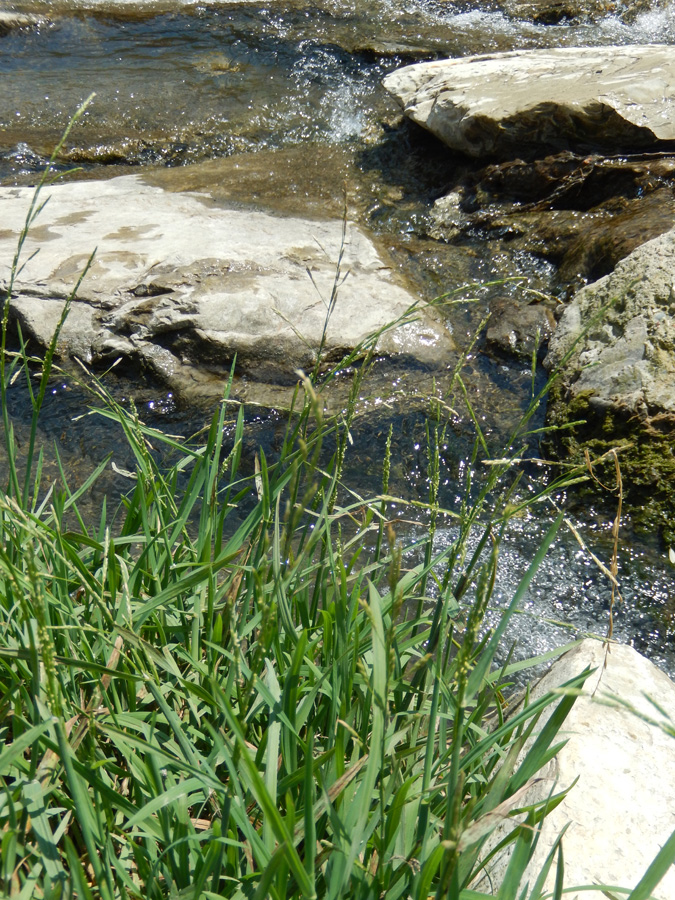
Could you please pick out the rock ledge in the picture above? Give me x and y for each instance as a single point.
(508, 104)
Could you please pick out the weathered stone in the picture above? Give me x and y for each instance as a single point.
(505, 103)
(622, 809)
(181, 284)
(615, 346)
(623, 326)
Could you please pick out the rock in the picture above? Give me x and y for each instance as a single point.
(306, 180)
(554, 12)
(583, 213)
(447, 219)
(615, 347)
(549, 12)
(11, 20)
(507, 103)
(625, 356)
(180, 284)
(519, 328)
(622, 809)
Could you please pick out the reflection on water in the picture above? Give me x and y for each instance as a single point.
(570, 597)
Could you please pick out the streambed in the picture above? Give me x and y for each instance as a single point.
(280, 107)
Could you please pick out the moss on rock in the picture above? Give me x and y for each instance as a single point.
(645, 447)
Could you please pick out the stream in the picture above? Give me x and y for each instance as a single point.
(280, 107)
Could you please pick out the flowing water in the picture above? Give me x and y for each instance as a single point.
(281, 106)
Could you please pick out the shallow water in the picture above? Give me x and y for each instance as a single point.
(282, 107)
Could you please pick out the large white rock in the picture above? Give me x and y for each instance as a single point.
(622, 809)
(181, 284)
(509, 103)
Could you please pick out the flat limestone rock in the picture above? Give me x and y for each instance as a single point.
(622, 809)
(181, 284)
(507, 104)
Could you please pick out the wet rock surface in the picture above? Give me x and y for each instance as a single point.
(181, 285)
(494, 105)
(556, 12)
(583, 213)
(10, 20)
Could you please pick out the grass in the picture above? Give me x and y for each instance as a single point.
(194, 705)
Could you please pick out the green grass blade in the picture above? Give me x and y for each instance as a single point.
(662, 862)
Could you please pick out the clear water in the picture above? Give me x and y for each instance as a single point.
(289, 99)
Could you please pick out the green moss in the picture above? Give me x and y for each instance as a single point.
(646, 452)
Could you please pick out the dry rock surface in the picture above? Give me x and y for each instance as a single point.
(623, 326)
(622, 809)
(506, 103)
(181, 284)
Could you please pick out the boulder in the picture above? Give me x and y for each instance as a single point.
(510, 104)
(181, 284)
(621, 748)
(615, 341)
(614, 349)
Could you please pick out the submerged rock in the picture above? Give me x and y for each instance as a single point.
(181, 285)
(519, 328)
(583, 213)
(554, 12)
(619, 229)
(615, 349)
(508, 103)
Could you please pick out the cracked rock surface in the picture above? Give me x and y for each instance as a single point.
(515, 103)
(180, 284)
(624, 327)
